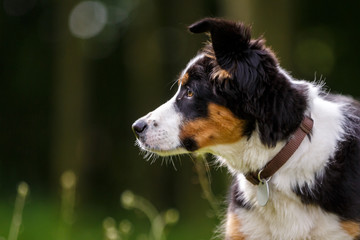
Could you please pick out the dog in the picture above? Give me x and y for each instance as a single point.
(292, 147)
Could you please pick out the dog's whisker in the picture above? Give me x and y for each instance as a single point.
(173, 84)
(152, 157)
(178, 158)
(163, 160)
(173, 163)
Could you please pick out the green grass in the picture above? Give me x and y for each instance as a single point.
(134, 218)
(42, 221)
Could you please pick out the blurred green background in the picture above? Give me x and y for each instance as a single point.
(74, 75)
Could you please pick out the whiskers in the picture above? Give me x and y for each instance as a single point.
(169, 160)
(165, 160)
(147, 155)
(152, 156)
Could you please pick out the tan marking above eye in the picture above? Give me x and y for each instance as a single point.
(184, 79)
(221, 126)
(220, 73)
(352, 228)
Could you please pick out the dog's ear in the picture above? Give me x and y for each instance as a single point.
(230, 40)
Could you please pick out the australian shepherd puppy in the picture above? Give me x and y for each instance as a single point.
(234, 101)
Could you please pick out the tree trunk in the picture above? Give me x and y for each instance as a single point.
(68, 151)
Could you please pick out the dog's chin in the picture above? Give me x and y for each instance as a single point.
(162, 151)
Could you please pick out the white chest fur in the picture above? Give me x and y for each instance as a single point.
(284, 217)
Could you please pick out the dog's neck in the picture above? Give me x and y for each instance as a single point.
(246, 155)
(284, 154)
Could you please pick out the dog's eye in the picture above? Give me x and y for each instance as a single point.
(189, 93)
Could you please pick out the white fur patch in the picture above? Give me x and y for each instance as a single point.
(162, 133)
(286, 218)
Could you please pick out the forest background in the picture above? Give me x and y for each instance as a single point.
(74, 75)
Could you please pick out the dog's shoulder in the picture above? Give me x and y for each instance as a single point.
(336, 188)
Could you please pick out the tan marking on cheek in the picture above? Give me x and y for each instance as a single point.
(352, 228)
(220, 127)
(233, 225)
(184, 79)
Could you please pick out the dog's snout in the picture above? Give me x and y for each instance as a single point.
(139, 127)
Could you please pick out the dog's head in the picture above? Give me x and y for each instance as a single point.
(230, 91)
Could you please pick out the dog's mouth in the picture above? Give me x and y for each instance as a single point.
(161, 151)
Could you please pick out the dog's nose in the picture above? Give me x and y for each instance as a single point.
(139, 127)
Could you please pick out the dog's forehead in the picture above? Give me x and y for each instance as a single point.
(185, 73)
(192, 62)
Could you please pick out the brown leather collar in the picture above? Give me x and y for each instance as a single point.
(285, 153)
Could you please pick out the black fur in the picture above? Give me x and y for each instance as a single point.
(337, 190)
(230, 40)
(236, 198)
(190, 144)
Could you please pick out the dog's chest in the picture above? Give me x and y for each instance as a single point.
(284, 218)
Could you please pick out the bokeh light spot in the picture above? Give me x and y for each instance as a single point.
(87, 19)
